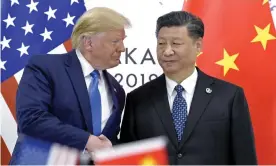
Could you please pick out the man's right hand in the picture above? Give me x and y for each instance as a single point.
(95, 143)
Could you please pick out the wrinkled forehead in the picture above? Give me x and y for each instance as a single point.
(118, 33)
(112, 34)
(175, 33)
(122, 32)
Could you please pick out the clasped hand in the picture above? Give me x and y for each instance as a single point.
(96, 143)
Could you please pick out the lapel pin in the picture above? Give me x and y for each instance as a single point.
(115, 90)
(208, 90)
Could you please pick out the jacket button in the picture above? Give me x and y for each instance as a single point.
(179, 155)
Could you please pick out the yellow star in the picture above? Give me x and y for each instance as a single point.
(198, 56)
(148, 161)
(228, 62)
(265, 1)
(263, 36)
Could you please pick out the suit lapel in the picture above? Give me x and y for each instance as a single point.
(199, 102)
(113, 121)
(112, 90)
(73, 68)
(160, 100)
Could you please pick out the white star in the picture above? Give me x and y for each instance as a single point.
(9, 21)
(2, 64)
(32, 6)
(69, 20)
(50, 13)
(72, 1)
(28, 28)
(23, 49)
(46, 35)
(5, 43)
(14, 2)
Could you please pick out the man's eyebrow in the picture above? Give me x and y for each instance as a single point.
(174, 38)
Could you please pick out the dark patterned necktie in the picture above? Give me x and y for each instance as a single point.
(179, 112)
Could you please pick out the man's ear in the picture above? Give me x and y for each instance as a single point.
(199, 45)
(87, 43)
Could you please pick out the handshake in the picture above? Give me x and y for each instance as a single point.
(96, 143)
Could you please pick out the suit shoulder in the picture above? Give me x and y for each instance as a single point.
(147, 87)
(46, 59)
(221, 85)
(226, 84)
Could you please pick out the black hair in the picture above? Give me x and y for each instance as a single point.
(193, 23)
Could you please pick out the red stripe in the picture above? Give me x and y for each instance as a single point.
(8, 90)
(9, 87)
(5, 154)
(68, 45)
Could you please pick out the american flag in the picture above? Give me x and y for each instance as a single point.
(28, 28)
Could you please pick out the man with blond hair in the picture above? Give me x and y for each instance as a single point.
(71, 99)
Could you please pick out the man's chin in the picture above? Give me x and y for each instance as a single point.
(170, 70)
(115, 63)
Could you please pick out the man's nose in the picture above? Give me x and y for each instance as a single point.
(168, 51)
(121, 47)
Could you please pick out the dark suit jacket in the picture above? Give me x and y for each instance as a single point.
(218, 129)
(52, 102)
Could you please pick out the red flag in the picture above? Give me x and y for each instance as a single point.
(240, 47)
(146, 152)
(5, 155)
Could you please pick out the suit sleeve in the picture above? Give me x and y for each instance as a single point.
(242, 137)
(128, 124)
(33, 109)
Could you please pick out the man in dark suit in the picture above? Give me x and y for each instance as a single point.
(206, 120)
(71, 99)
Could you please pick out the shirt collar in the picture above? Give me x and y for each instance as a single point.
(87, 69)
(188, 84)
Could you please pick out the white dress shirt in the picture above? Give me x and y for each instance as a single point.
(106, 99)
(189, 87)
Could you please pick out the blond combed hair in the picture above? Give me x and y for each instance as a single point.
(97, 20)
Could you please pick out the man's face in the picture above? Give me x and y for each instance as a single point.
(107, 48)
(176, 51)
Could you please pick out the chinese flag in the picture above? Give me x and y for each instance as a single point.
(146, 152)
(240, 47)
